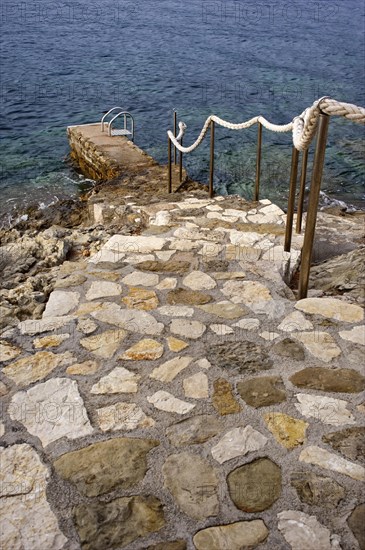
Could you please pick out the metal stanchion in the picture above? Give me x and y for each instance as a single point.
(310, 226)
(180, 162)
(175, 128)
(169, 168)
(258, 161)
(211, 172)
(291, 199)
(303, 176)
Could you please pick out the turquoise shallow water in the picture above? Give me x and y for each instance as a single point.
(66, 63)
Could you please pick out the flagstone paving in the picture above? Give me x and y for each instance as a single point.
(175, 395)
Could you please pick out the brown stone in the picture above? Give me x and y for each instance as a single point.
(350, 442)
(356, 524)
(8, 351)
(223, 399)
(169, 266)
(241, 357)
(140, 298)
(35, 367)
(85, 368)
(289, 348)
(241, 535)
(317, 490)
(187, 297)
(335, 380)
(145, 350)
(287, 431)
(194, 430)
(169, 545)
(262, 391)
(51, 341)
(175, 344)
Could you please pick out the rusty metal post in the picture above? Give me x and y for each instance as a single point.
(258, 161)
(211, 171)
(291, 199)
(310, 226)
(175, 128)
(180, 162)
(303, 177)
(169, 167)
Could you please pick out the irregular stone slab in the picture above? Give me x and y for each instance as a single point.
(241, 357)
(251, 293)
(193, 484)
(356, 523)
(37, 326)
(175, 344)
(332, 309)
(128, 244)
(228, 275)
(187, 329)
(188, 297)
(302, 531)
(144, 350)
(103, 289)
(167, 284)
(140, 298)
(194, 430)
(221, 330)
(289, 348)
(317, 490)
(203, 363)
(23, 481)
(355, 335)
(106, 275)
(88, 307)
(83, 369)
(129, 319)
(248, 324)
(50, 341)
(325, 409)
(223, 399)
(262, 391)
(107, 465)
(238, 442)
(75, 279)
(255, 486)
(176, 311)
(164, 401)
(35, 367)
(104, 345)
(60, 303)
(165, 255)
(288, 431)
(171, 545)
(266, 335)
(59, 410)
(141, 279)
(295, 321)
(169, 370)
(349, 442)
(86, 326)
(319, 344)
(198, 280)
(8, 351)
(225, 309)
(335, 380)
(196, 386)
(119, 380)
(118, 522)
(122, 416)
(178, 267)
(235, 536)
(105, 257)
(244, 238)
(320, 457)
(3, 389)
(136, 259)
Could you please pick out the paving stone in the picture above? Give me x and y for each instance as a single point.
(83, 369)
(119, 380)
(59, 410)
(223, 399)
(86, 326)
(37, 326)
(247, 324)
(169, 545)
(302, 531)
(235, 536)
(350, 442)
(194, 430)
(356, 523)
(251, 293)
(178, 267)
(129, 319)
(168, 283)
(60, 303)
(183, 245)
(52, 341)
(241, 357)
(224, 275)
(118, 463)
(331, 308)
(238, 442)
(164, 401)
(225, 309)
(175, 344)
(255, 486)
(320, 457)
(198, 280)
(23, 482)
(119, 522)
(266, 335)
(289, 348)
(128, 244)
(355, 335)
(203, 363)
(196, 386)
(122, 416)
(76, 279)
(165, 255)
(107, 258)
(140, 298)
(288, 431)
(176, 311)
(106, 275)
(169, 370)
(136, 259)
(187, 329)
(3, 389)
(333, 380)
(141, 279)
(262, 391)
(145, 350)
(324, 409)
(8, 351)
(221, 330)
(295, 321)
(317, 490)
(244, 238)
(319, 344)
(30, 369)
(104, 345)
(193, 483)
(188, 297)
(87, 308)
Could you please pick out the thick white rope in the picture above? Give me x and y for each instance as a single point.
(303, 126)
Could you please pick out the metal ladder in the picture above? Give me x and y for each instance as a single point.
(118, 131)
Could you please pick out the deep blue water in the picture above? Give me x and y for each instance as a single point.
(67, 62)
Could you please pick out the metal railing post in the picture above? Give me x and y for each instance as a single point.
(303, 176)
(310, 226)
(175, 128)
(180, 162)
(211, 171)
(169, 168)
(258, 161)
(291, 199)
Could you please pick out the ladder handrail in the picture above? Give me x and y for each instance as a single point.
(125, 113)
(106, 114)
